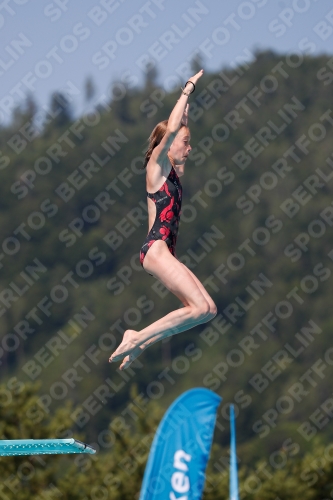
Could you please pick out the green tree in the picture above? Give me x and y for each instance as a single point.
(89, 89)
(61, 109)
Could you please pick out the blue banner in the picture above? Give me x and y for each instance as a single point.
(233, 484)
(179, 453)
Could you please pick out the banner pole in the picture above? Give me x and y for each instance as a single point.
(233, 486)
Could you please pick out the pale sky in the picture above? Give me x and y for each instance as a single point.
(46, 46)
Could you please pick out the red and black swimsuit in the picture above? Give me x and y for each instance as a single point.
(168, 201)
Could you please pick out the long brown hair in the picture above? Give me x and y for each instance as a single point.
(155, 138)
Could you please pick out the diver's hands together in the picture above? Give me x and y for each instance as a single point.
(189, 88)
(196, 77)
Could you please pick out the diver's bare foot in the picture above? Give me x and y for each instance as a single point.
(131, 357)
(128, 344)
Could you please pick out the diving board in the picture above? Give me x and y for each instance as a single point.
(12, 447)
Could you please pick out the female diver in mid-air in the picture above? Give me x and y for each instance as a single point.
(169, 147)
